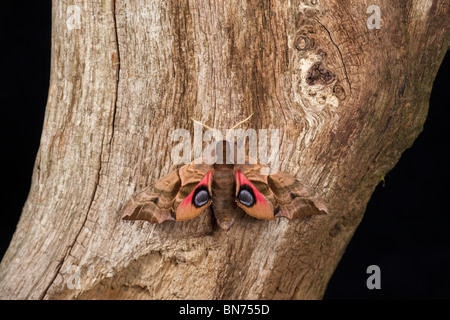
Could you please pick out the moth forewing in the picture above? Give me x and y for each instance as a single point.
(196, 201)
(294, 199)
(251, 200)
(154, 203)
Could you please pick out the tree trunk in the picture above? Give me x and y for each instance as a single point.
(348, 100)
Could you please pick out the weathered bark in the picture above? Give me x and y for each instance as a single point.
(347, 99)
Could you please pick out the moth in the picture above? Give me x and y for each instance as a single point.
(226, 188)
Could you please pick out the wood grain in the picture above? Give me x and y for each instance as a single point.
(348, 102)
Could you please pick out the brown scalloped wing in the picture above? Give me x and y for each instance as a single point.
(154, 203)
(294, 199)
(158, 202)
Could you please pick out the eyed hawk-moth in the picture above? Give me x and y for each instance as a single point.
(226, 188)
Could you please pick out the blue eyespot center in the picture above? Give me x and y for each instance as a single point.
(246, 196)
(201, 198)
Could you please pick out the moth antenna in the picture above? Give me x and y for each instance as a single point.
(235, 126)
(204, 125)
(241, 122)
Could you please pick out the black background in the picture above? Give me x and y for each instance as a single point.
(405, 230)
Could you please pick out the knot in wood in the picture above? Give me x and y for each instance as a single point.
(302, 42)
(322, 53)
(309, 12)
(318, 74)
(339, 92)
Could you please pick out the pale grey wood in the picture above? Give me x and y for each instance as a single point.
(136, 70)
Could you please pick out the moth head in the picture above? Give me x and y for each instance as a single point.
(226, 152)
